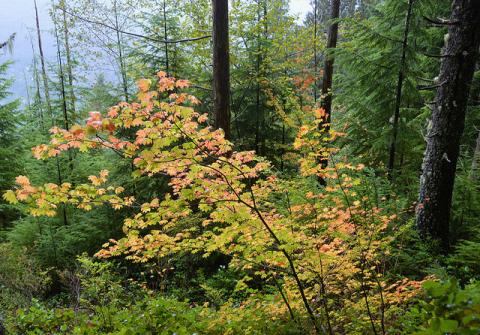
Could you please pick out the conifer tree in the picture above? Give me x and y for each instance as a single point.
(9, 165)
(369, 61)
(221, 66)
(459, 56)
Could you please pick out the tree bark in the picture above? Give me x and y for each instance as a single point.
(326, 102)
(221, 66)
(398, 96)
(448, 119)
(329, 59)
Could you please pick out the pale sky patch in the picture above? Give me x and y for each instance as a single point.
(300, 8)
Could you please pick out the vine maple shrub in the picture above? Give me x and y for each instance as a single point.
(325, 249)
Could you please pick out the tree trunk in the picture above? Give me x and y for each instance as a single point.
(326, 102)
(448, 119)
(221, 66)
(65, 114)
(27, 90)
(165, 36)
(257, 106)
(398, 96)
(263, 76)
(315, 58)
(258, 110)
(68, 55)
(66, 121)
(123, 72)
(476, 159)
(42, 62)
(37, 98)
(328, 67)
(47, 95)
(61, 75)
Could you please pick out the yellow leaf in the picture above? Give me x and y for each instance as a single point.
(10, 197)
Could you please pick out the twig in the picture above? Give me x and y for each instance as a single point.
(135, 34)
(431, 87)
(440, 22)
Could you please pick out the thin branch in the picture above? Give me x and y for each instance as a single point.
(440, 22)
(436, 56)
(8, 42)
(201, 88)
(431, 87)
(279, 287)
(135, 34)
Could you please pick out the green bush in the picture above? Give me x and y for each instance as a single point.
(149, 316)
(106, 303)
(21, 279)
(464, 262)
(449, 309)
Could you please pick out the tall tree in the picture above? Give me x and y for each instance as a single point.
(315, 55)
(221, 66)
(258, 61)
(371, 49)
(398, 94)
(42, 62)
(9, 139)
(165, 36)
(61, 77)
(47, 97)
(448, 119)
(328, 66)
(476, 158)
(121, 60)
(326, 101)
(268, 48)
(68, 54)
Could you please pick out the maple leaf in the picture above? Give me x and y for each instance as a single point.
(22, 181)
(113, 112)
(103, 173)
(320, 113)
(181, 83)
(143, 85)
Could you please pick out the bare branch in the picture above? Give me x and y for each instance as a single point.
(8, 43)
(440, 22)
(436, 56)
(431, 87)
(135, 34)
